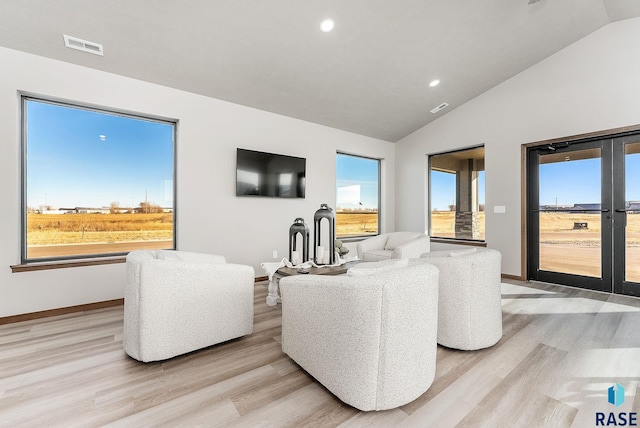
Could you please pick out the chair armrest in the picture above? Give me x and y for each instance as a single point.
(413, 249)
(371, 244)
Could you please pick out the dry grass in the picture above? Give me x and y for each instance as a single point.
(50, 229)
(356, 223)
(47, 229)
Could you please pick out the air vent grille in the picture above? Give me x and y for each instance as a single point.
(440, 107)
(83, 45)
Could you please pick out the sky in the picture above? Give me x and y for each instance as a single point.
(578, 181)
(443, 190)
(357, 181)
(568, 183)
(572, 182)
(84, 158)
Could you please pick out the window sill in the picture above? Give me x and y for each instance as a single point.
(30, 267)
(459, 242)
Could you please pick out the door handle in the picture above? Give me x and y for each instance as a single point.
(621, 211)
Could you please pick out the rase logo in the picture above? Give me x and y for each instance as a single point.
(615, 396)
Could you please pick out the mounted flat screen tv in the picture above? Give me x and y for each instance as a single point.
(269, 174)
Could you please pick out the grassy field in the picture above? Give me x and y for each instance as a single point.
(356, 223)
(562, 248)
(48, 229)
(551, 224)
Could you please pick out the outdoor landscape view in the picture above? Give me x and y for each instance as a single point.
(96, 182)
(570, 213)
(357, 187)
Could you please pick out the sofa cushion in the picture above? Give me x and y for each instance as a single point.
(375, 268)
(398, 238)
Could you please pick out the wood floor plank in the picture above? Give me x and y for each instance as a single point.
(561, 349)
(506, 399)
(211, 406)
(264, 393)
(288, 411)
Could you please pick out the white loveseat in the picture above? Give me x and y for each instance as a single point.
(394, 245)
(470, 306)
(176, 302)
(369, 338)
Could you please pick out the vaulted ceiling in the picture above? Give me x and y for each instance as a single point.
(370, 75)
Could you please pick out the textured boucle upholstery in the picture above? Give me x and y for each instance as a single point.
(176, 302)
(370, 340)
(469, 307)
(377, 268)
(394, 245)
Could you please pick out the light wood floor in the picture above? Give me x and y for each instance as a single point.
(562, 349)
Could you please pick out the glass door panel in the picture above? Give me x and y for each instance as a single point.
(570, 212)
(632, 208)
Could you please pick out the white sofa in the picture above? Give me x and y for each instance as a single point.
(176, 302)
(394, 245)
(369, 337)
(469, 307)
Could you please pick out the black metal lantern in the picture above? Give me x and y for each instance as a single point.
(325, 212)
(299, 227)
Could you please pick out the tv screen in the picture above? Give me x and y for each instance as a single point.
(269, 174)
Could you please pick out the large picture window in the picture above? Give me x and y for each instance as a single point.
(456, 195)
(357, 196)
(95, 182)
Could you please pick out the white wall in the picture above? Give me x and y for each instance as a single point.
(590, 86)
(210, 218)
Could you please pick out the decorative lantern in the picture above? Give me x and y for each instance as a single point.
(324, 254)
(298, 227)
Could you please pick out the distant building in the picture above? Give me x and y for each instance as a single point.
(591, 207)
(632, 207)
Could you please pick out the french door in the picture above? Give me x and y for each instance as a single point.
(583, 220)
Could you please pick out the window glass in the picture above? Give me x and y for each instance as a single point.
(456, 195)
(357, 195)
(95, 182)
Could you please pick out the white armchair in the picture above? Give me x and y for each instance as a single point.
(369, 339)
(394, 245)
(176, 302)
(470, 306)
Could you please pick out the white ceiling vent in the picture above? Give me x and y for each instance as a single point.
(83, 45)
(440, 107)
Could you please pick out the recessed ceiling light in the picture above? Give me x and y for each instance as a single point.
(434, 83)
(327, 25)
